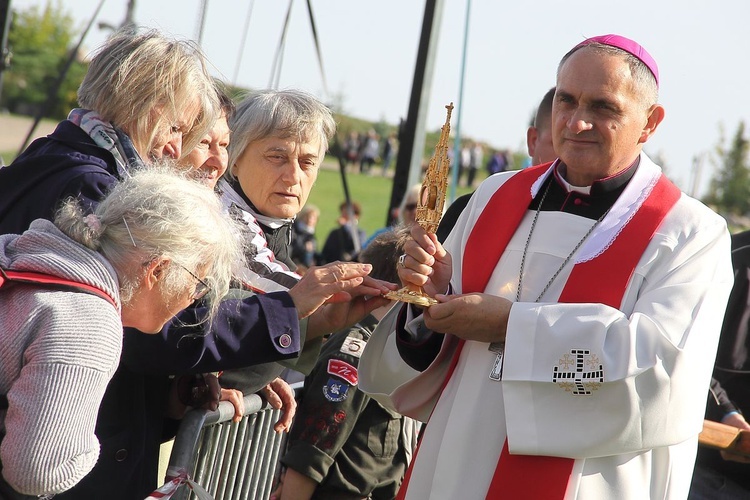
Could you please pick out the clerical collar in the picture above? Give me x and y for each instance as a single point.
(591, 201)
(600, 186)
(570, 187)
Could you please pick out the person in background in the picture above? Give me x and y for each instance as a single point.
(539, 133)
(498, 162)
(344, 242)
(144, 93)
(542, 380)
(389, 151)
(464, 161)
(304, 244)
(344, 444)
(540, 148)
(406, 213)
(475, 161)
(155, 244)
(721, 475)
(351, 148)
(369, 152)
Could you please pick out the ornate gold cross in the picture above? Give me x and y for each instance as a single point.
(430, 206)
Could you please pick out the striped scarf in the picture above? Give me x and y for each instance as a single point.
(263, 272)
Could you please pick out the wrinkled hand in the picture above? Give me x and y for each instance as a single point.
(281, 396)
(427, 264)
(334, 282)
(333, 317)
(235, 397)
(201, 390)
(474, 316)
(735, 420)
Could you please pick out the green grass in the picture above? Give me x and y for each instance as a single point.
(7, 157)
(372, 192)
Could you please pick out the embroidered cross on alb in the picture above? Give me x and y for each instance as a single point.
(579, 381)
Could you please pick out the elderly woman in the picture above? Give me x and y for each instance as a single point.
(208, 160)
(279, 140)
(144, 93)
(155, 244)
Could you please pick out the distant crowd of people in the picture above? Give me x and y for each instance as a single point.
(366, 149)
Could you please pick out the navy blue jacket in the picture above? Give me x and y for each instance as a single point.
(131, 424)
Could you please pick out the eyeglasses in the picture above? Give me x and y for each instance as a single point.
(201, 289)
(410, 206)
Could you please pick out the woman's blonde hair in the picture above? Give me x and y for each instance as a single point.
(135, 73)
(160, 213)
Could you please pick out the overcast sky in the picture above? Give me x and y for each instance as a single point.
(369, 50)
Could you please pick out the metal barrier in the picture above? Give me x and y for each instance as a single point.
(230, 460)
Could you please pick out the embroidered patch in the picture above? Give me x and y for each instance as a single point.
(344, 370)
(578, 372)
(335, 391)
(353, 347)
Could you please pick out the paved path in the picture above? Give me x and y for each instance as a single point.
(13, 130)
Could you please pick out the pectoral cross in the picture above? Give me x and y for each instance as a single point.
(497, 367)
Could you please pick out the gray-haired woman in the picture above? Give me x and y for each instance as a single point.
(155, 244)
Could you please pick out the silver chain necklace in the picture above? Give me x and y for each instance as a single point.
(499, 347)
(567, 259)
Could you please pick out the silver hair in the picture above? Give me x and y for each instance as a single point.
(279, 113)
(134, 73)
(159, 213)
(643, 80)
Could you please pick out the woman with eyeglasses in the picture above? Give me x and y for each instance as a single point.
(155, 244)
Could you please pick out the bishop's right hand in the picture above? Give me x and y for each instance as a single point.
(426, 264)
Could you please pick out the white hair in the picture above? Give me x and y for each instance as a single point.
(159, 213)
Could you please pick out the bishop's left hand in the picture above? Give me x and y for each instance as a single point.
(473, 316)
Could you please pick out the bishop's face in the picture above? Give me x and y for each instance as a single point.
(599, 118)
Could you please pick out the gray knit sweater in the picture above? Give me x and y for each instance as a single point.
(58, 350)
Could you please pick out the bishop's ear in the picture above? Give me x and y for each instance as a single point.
(654, 118)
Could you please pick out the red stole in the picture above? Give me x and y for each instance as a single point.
(485, 246)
